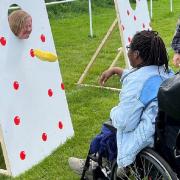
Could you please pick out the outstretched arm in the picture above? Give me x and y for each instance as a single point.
(108, 73)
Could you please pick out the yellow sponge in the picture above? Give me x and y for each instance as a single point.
(45, 55)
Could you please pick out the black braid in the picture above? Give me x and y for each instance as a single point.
(151, 48)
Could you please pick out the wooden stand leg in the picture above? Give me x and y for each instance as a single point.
(101, 87)
(117, 57)
(97, 51)
(3, 171)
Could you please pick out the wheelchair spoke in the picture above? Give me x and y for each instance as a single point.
(160, 177)
(147, 166)
(143, 164)
(136, 173)
(150, 165)
(145, 170)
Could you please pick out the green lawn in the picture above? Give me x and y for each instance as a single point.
(89, 107)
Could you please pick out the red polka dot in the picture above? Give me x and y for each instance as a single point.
(129, 39)
(128, 13)
(60, 125)
(16, 85)
(135, 18)
(62, 86)
(31, 52)
(43, 38)
(22, 155)
(3, 41)
(44, 137)
(17, 120)
(50, 92)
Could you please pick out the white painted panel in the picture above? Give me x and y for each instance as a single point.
(38, 112)
(132, 20)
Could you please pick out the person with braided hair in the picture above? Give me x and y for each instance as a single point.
(176, 45)
(134, 116)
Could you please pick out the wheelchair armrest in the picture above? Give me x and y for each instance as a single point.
(109, 125)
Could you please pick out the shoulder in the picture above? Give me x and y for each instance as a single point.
(152, 83)
(150, 89)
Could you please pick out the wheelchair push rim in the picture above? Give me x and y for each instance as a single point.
(148, 166)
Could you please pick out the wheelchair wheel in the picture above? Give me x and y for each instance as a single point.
(147, 166)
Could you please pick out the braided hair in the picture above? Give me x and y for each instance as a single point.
(151, 48)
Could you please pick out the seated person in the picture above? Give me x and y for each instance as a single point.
(176, 45)
(134, 116)
(20, 23)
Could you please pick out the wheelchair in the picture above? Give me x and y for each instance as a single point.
(150, 163)
(162, 162)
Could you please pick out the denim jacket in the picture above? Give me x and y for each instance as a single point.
(134, 116)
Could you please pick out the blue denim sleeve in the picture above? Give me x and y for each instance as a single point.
(126, 115)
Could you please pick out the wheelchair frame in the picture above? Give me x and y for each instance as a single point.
(148, 165)
(147, 160)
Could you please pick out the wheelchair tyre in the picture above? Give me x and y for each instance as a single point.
(148, 166)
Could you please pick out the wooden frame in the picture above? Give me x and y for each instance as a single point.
(133, 19)
(103, 42)
(6, 171)
(20, 152)
(121, 35)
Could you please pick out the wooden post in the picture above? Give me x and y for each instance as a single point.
(90, 19)
(171, 5)
(122, 37)
(117, 57)
(151, 7)
(2, 171)
(97, 51)
(100, 87)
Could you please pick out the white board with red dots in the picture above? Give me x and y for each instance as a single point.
(34, 115)
(131, 20)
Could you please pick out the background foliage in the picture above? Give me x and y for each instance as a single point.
(79, 6)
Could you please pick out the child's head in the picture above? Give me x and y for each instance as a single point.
(20, 23)
(148, 49)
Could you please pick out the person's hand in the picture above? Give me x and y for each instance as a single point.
(176, 59)
(108, 73)
(105, 76)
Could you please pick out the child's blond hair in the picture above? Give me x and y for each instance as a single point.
(16, 20)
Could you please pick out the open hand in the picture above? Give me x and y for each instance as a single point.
(105, 76)
(176, 59)
(108, 73)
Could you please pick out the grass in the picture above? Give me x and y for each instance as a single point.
(89, 107)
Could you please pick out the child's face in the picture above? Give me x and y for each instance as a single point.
(26, 29)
